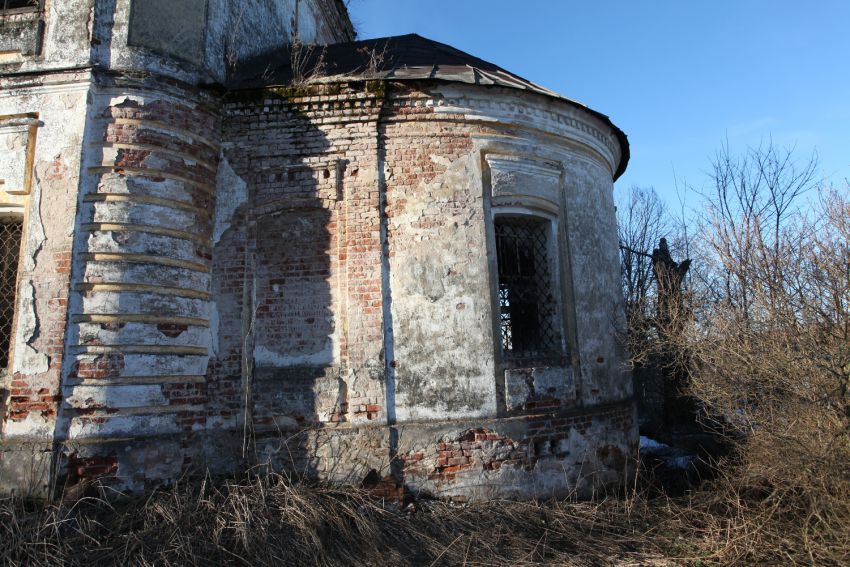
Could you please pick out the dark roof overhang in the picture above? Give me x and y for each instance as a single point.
(397, 58)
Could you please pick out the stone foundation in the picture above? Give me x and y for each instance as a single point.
(536, 456)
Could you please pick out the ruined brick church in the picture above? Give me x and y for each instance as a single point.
(232, 236)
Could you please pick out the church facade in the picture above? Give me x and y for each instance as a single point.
(233, 236)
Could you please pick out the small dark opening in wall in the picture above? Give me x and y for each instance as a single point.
(526, 301)
(19, 5)
(10, 247)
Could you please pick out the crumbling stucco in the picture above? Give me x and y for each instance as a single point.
(231, 193)
(27, 359)
(302, 279)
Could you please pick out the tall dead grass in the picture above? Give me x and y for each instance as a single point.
(273, 521)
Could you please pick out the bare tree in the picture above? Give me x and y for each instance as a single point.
(748, 222)
(767, 342)
(642, 221)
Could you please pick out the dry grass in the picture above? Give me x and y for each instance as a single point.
(273, 521)
(270, 520)
(760, 342)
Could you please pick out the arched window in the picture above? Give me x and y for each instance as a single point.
(528, 305)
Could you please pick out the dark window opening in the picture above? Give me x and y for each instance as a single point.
(527, 304)
(19, 5)
(10, 247)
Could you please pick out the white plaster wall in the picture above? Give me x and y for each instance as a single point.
(49, 210)
(599, 309)
(67, 40)
(234, 32)
(440, 290)
(560, 136)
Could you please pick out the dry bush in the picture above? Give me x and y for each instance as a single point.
(307, 62)
(763, 332)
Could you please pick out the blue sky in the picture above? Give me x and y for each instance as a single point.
(679, 77)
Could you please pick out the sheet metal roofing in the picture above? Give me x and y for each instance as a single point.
(397, 58)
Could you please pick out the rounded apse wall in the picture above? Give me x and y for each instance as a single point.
(419, 186)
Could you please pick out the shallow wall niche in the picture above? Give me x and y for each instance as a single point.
(171, 27)
(17, 151)
(294, 324)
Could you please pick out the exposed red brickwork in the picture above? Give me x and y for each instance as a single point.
(294, 285)
(314, 255)
(171, 139)
(38, 394)
(229, 288)
(477, 448)
(547, 436)
(24, 401)
(369, 411)
(172, 330)
(81, 469)
(102, 366)
(387, 487)
(57, 171)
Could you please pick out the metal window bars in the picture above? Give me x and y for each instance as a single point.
(527, 304)
(10, 246)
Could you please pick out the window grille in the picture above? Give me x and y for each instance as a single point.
(19, 5)
(526, 301)
(10, 246)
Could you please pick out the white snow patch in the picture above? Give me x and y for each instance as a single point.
(649, 444)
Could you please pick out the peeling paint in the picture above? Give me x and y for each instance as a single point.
(320, 294)
(265, 356)
(27, 359)
(121, 426)
(35, 230)
(133, 396)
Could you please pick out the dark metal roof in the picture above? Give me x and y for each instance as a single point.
(398, 58)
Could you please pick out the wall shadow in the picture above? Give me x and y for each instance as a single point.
(277, 374)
